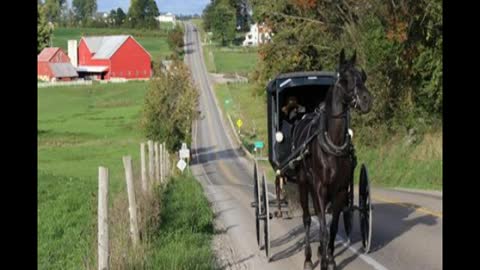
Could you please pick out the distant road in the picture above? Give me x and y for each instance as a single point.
(407, 228)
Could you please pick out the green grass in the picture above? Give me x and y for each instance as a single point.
(230, 60)
(252, 110)
(79, 129)
(391, 164)
(396, 164)
(154, 41)
(208, 56)
(183, 240)
(233, 59)
(252, 113)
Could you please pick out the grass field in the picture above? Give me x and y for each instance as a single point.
(79, 129)
(230, 60)
(233, 59)
(183, 240)
(154, 41)
(392, 164)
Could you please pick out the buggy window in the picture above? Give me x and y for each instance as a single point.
(309, 96)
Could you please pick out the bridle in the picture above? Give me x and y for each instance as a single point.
(324, 140)
(354, 97)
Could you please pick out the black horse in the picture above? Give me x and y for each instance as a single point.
(327, 169)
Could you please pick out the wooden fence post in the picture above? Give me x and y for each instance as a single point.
(103, 218)
(150, 161)
(165, 161)
(162, 173)
(132, 204)
(167, 165)
(157, 169)
(143, 165)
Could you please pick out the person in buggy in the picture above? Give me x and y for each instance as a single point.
(293, 110)
(292, 113)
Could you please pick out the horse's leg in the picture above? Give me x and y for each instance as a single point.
(338, 204)
(307, 220)
(321, 198)
(316, 205)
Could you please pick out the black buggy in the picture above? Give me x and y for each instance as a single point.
(307, 90)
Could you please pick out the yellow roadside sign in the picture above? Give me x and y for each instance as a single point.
(239, 123)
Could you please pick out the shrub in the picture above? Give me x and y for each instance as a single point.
(170, 106)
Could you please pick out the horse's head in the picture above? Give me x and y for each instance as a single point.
(352, 81)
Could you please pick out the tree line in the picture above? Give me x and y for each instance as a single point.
(399, 44)
(224, 17)
(141, 14)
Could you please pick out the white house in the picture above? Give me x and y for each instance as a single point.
(169, 17)
(259, 34)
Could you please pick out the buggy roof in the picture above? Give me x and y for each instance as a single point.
(294, 79)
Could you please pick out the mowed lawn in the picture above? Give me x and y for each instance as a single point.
(235, 61)
(230, 60)
(154, 41)
(79, 129)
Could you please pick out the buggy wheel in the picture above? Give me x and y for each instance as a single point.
(256, 195)
(266, 213)
(365, 206)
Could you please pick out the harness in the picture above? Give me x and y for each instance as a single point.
(320, 116)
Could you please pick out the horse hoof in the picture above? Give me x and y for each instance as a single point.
(308, 265)
(332, 265)
(319, 252)
(349, 241)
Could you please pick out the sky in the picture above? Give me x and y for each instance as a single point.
(174, 6)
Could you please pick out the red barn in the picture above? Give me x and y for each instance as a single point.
(54, 64)
(106, 57)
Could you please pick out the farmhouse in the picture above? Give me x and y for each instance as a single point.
(169, 17)
(54, 64)
(106, 57)
(259, 34)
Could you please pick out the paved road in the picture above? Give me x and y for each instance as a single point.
(407, 228)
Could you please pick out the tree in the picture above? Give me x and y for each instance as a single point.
(170, 106)
(151, 12)
(53, 9)
(223, 23)
(44, 31)
(207, 16)
(84, 9)
(142, 13)
(120, 17)
(398, 43)
(175, 39)
(113, 17)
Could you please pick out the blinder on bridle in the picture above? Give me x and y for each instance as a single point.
(352, 96)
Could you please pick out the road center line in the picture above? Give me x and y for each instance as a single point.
(419, 209)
